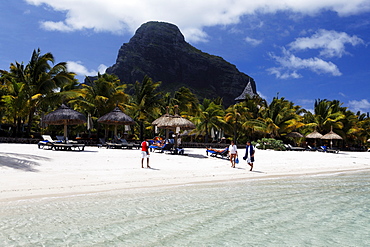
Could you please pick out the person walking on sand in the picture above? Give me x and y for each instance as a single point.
(233, 153)
(145, 154)
(249, 154)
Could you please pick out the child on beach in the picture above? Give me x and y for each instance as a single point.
(145, 154)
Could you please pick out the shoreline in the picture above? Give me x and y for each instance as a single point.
(27, 172)
(213, 182)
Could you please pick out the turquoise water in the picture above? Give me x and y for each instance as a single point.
(325, 210)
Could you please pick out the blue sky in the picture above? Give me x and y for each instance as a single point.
(298, 49)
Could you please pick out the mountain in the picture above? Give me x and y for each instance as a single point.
(159, 50)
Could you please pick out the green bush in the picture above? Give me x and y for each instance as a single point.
(270, 143)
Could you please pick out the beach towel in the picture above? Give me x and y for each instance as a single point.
(251, 151)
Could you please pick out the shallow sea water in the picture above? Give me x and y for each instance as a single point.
(322, 210)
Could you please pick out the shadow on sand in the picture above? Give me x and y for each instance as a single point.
(198, 156)
(24, 162)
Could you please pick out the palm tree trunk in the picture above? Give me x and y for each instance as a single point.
(206, 137)
(141, 130)
(30, 121)
(235, 133)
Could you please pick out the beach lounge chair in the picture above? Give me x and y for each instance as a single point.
(102, 143)
(65, 139)
(68, 146)
(332, 150)
(328, 150)
(106, 144)
(47, 142)
(224, 153)
(291, 148)
(309, 148)
(125, 144)
(157, 145)
(168, 147)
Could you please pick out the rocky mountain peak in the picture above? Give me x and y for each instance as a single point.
(159, 50)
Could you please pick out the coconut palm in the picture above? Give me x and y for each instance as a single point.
(279, 118)
(100, 96)
(144, 104)
(40, 79)
(187, 101)
(235, 116)
(13, 100)
(210, 115)
(327, 114)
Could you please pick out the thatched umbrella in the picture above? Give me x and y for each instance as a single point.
(64, 116)
(294, 135)
(331, 136)
(314, 135)
(163, 120)
(175, 122)
(116, 117)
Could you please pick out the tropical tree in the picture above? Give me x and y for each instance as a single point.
(253, 105)
(145, 102)
(209, 115)
(13, 100)
(186, 100)
(236, 116)
(100, 96)
(40, 79)
(327, 114)
(278, 119)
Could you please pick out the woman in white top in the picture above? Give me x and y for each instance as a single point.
(233, 152)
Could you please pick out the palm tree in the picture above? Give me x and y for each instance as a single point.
(279, 118)
(187, 101)
(100, 96)
(210, 115)
(13, 101)
(40, 79)
(235, 116)
(145, 102)
(327, 114)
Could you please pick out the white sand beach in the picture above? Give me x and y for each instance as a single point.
(29, 172)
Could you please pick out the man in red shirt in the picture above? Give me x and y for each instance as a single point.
(145, 154)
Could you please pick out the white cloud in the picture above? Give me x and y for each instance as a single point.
(342, 94)
(281, 74)
(262, 95)
(81, 70)
(195, 34)
(253, 42)
(290, 64)
(331, 43)
(306, 101)
(126, 16)
(50, 25)
(362, 105)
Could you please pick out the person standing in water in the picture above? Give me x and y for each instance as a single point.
(145, 154)
(249, 154)
(233, 153)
